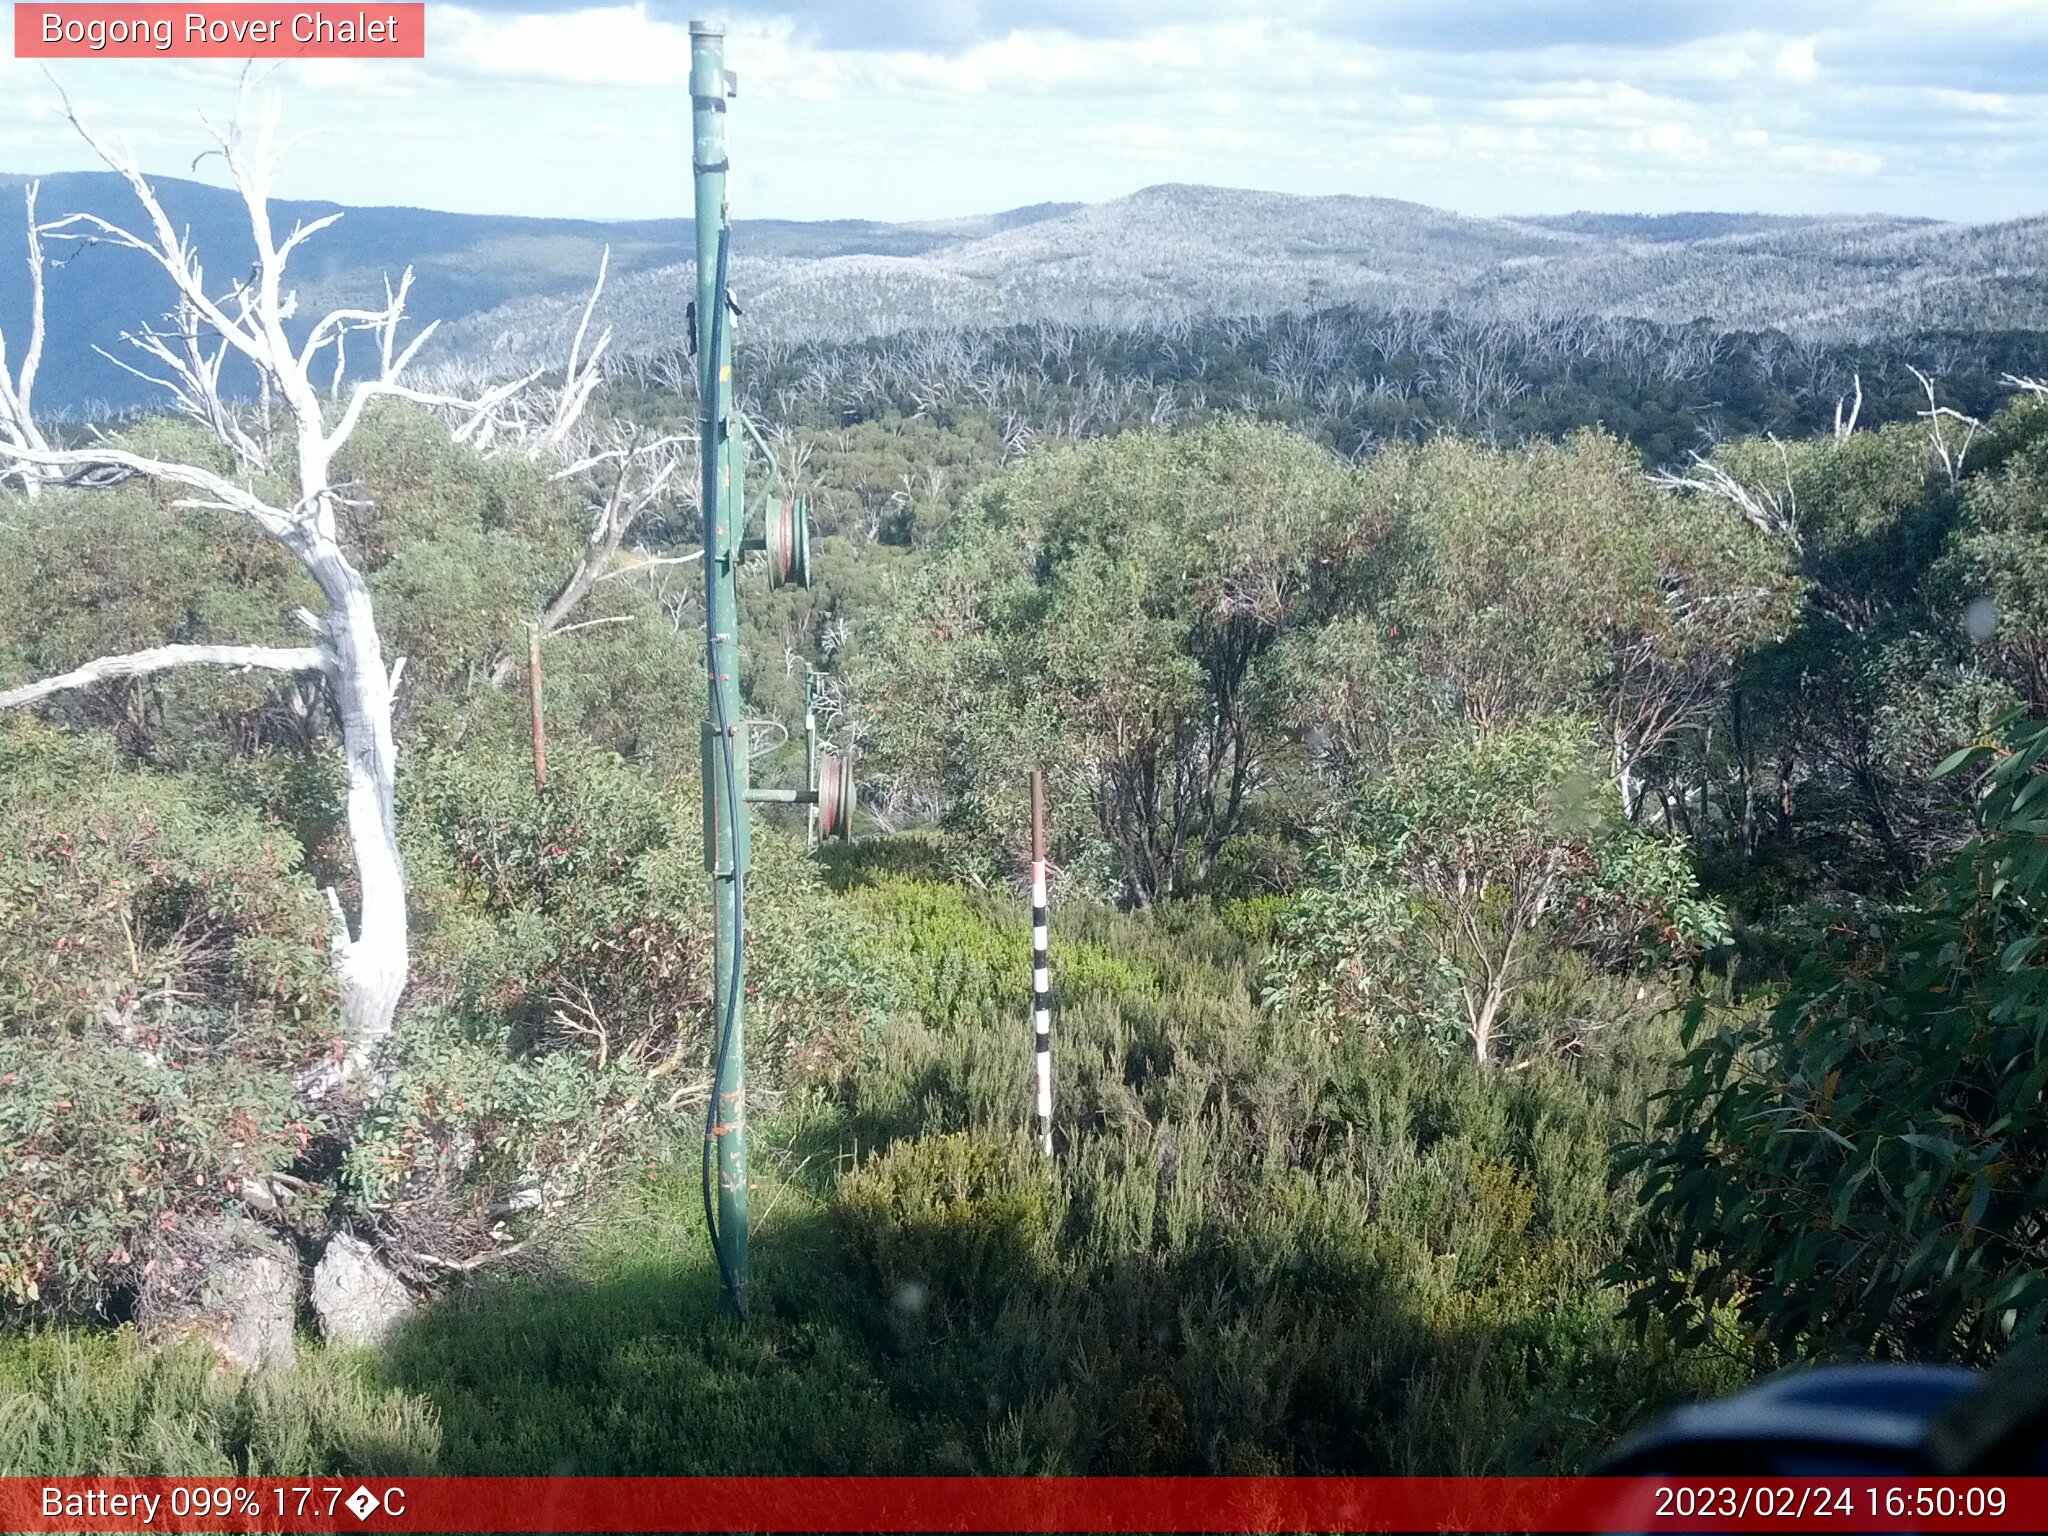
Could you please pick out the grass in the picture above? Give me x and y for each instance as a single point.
(76, 1403)
(1264, 1249)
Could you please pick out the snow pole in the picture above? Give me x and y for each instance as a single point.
(1041, 965)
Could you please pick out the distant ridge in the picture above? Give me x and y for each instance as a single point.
(508, 289)
(1662, 227)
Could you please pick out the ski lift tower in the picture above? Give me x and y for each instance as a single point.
(785, 539)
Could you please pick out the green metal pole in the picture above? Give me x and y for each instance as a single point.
(811, 755)
(726, 839)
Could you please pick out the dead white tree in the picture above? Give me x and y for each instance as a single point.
(1770, 511)
(1947, 446)
(246, 322)
(1845, 422)
(17, 392)
(622, 475)
(623, 478)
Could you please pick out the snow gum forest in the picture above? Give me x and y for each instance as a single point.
(1546, 734)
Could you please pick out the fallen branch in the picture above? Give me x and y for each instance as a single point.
(464, 1266)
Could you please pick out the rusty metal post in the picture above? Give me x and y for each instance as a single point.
(540, 730)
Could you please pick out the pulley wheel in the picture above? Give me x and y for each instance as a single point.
(835, 795)
(789, 543)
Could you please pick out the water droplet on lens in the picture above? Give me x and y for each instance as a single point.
(1980, 619)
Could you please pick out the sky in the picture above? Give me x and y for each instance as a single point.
(909, 109)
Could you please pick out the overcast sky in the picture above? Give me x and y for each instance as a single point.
(900, 109)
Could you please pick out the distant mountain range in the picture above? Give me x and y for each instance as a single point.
(508, 289)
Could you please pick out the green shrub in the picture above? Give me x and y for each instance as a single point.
(162, 981)
(1456, 876)
(950, 1220)
(1288, 1252)
(1860, 1168)
(560, 1026)
(1099, 612)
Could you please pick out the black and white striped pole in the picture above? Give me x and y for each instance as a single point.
(1041, 965)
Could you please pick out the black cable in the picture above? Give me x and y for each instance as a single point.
(733, 808)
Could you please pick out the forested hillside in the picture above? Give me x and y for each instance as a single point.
(1548, 888)
(511, 290)
(1191, 253)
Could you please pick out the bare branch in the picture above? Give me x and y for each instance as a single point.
(1770, 512)
(169, 250)
(648, 562)
(80, 465)
(162, 659)
(626, 479)
(577, 385)
(301, 233)
(570, 629)
(1949, 452)
(479, 410)
(194, 382)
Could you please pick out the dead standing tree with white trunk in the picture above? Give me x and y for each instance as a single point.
(622, 477)
(17, 390)
(244, 323)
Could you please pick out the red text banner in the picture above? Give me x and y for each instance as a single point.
(1023, 1504)
(106, 29)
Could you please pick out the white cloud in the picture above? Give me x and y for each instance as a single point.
(1791, 104)
(615, 47)
(1796, 61)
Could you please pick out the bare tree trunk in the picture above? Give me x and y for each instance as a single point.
(642, 475)
(372, 965)
(1482, 1027)
(17, 394)
(1625, 778)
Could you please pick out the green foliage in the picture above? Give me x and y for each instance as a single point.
(1555, 579)
(460, 1123)
(85, 574)
(1994, 573)
(459, 548)
(1512, 691)
(1260, 1251)
(161, 983)
(624, 1359)
(1262, 1248)
(589, 898)
(955, 958)
(1864, 514)
(1847, 715)
(1356, 695)
(74, 1405)
(943, 1222)
(1860, 1168)
(1457, 870)
(562, 987)
(1100, 612)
